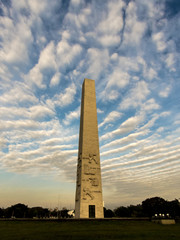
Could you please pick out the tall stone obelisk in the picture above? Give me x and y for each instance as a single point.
(89, 201)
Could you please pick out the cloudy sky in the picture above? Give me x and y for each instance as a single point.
(132, 51)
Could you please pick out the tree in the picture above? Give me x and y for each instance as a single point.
(18, 210)
(55, 213)
(173, 208)
(122, 212)
(8, 212)
(155, 205)
(108, 213)
(136, 211)
(38, 212)
(1, 213)
(64, 213)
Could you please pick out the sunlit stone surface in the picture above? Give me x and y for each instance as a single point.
(89, 201)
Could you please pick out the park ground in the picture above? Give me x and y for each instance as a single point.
(87, 230)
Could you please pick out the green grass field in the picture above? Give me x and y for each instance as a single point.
(87, 230)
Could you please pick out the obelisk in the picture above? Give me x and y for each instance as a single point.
(89, 201)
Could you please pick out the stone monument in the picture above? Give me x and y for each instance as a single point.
(89, 201)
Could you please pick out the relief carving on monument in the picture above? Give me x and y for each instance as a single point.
(87, 193)
(89, 170)
(96, 191)
(94, 182)
(92, 158)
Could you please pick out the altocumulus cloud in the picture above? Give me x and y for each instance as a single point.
(130, 48)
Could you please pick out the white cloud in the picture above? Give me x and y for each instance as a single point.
(18, 93)
(76, 2)
(134, 29)
(5, 74)
(99, 111)
(69, 117)
(3, 142)
(170, 61)
(158, 38)
(66, 35)
(165, 92)
(160, 129)
(78, 19)
(108, 29)
(109, 95)
(129, 125)
(154, 118)
(123, 149)
(150, 105)
(109, 41)
(165, 114)
(13, 113)
(57, 141)
(130, 138)
(36, 160)
(150, 73)
(132, 122)
(128, 64)
(153, 160)
(19, 124)
(67, 97)
(34, 7)
(120, 75)
(16, 40)
(47, 57)
(38, 7)
(152, 147)
(118, 78)
(112, 21)
(111, 117)
(38, 112)
(114, 57)
(136, 96)
(97, 62)
(55, 79)
(23, 131)
(35, 77)
(47, 60)
(177, 122)
(67, 54)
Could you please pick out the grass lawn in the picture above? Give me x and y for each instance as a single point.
(87, 230)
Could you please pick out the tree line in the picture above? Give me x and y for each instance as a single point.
(150, 207)
(22, 211)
